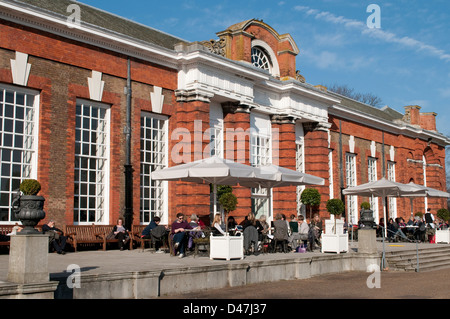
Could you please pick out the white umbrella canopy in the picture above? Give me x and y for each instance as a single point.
(213, 170)
(384, 188)
(429, 192)
(277, 176)
(271, 176)
(426, 192)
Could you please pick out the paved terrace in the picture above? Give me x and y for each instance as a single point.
(150, 269)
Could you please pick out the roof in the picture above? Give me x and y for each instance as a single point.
(105, 20)
(385, 113)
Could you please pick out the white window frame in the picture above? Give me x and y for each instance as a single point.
(260, 154)
(372, 176)
(161, 190)
(331, 172)
(30, 169)
(392, 201)
(102, 201)
(425, 179)
(300, 164)
(350, 173)
(265, 48)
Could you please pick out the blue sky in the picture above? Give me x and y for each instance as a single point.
(405, 62)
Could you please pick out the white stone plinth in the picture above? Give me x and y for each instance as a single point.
(226, 247)
(28, 259)
(367, 241)
(443, 236)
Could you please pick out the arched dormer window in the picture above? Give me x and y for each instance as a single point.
(264, 57)
(260, 59)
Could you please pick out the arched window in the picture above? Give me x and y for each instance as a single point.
(261, 59)
(264, 57)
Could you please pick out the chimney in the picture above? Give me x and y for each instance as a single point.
(428, 121)
(412, 114)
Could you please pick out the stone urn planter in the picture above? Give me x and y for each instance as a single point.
(28, 207)
(366, 216)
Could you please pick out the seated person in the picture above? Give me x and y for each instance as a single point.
(303, 229)
(147, 230)
(231, 225)
(178, 230)
(396, 228)
(56, 237)
(316, 225)
(155, 232)
(195, 223)
(281, 229)
(262, 227)
(294, 236)
(250, 233)
(121, 233)
(218, 226)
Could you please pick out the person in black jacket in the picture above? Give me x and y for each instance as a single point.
(56, 237)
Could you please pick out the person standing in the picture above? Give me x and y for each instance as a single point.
(429, 218)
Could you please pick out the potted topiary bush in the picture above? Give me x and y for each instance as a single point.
(335, 207)
(310, 197)
(28, 206)
(229, 202)
(443, 214)
(334, 239)
(227, 247)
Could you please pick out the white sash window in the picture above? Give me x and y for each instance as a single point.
(19, 109)
(91, 196)
(153, 194)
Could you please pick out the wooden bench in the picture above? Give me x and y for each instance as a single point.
(136, 236)
(90, 234)
(4, 230)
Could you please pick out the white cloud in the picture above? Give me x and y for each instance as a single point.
(380, 34)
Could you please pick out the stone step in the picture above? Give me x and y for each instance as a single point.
(429, 259)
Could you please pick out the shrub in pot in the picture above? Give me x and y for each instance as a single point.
(335, 207)
(229, 203)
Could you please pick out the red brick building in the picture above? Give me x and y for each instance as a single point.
(91, 107)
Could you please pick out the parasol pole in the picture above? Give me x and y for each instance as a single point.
(384, 215)
(215, 198)
(411, 200)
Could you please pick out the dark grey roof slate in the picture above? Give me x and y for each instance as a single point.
(385, 113)
(105, 20)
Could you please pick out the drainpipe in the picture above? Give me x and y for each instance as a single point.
(128, 167)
